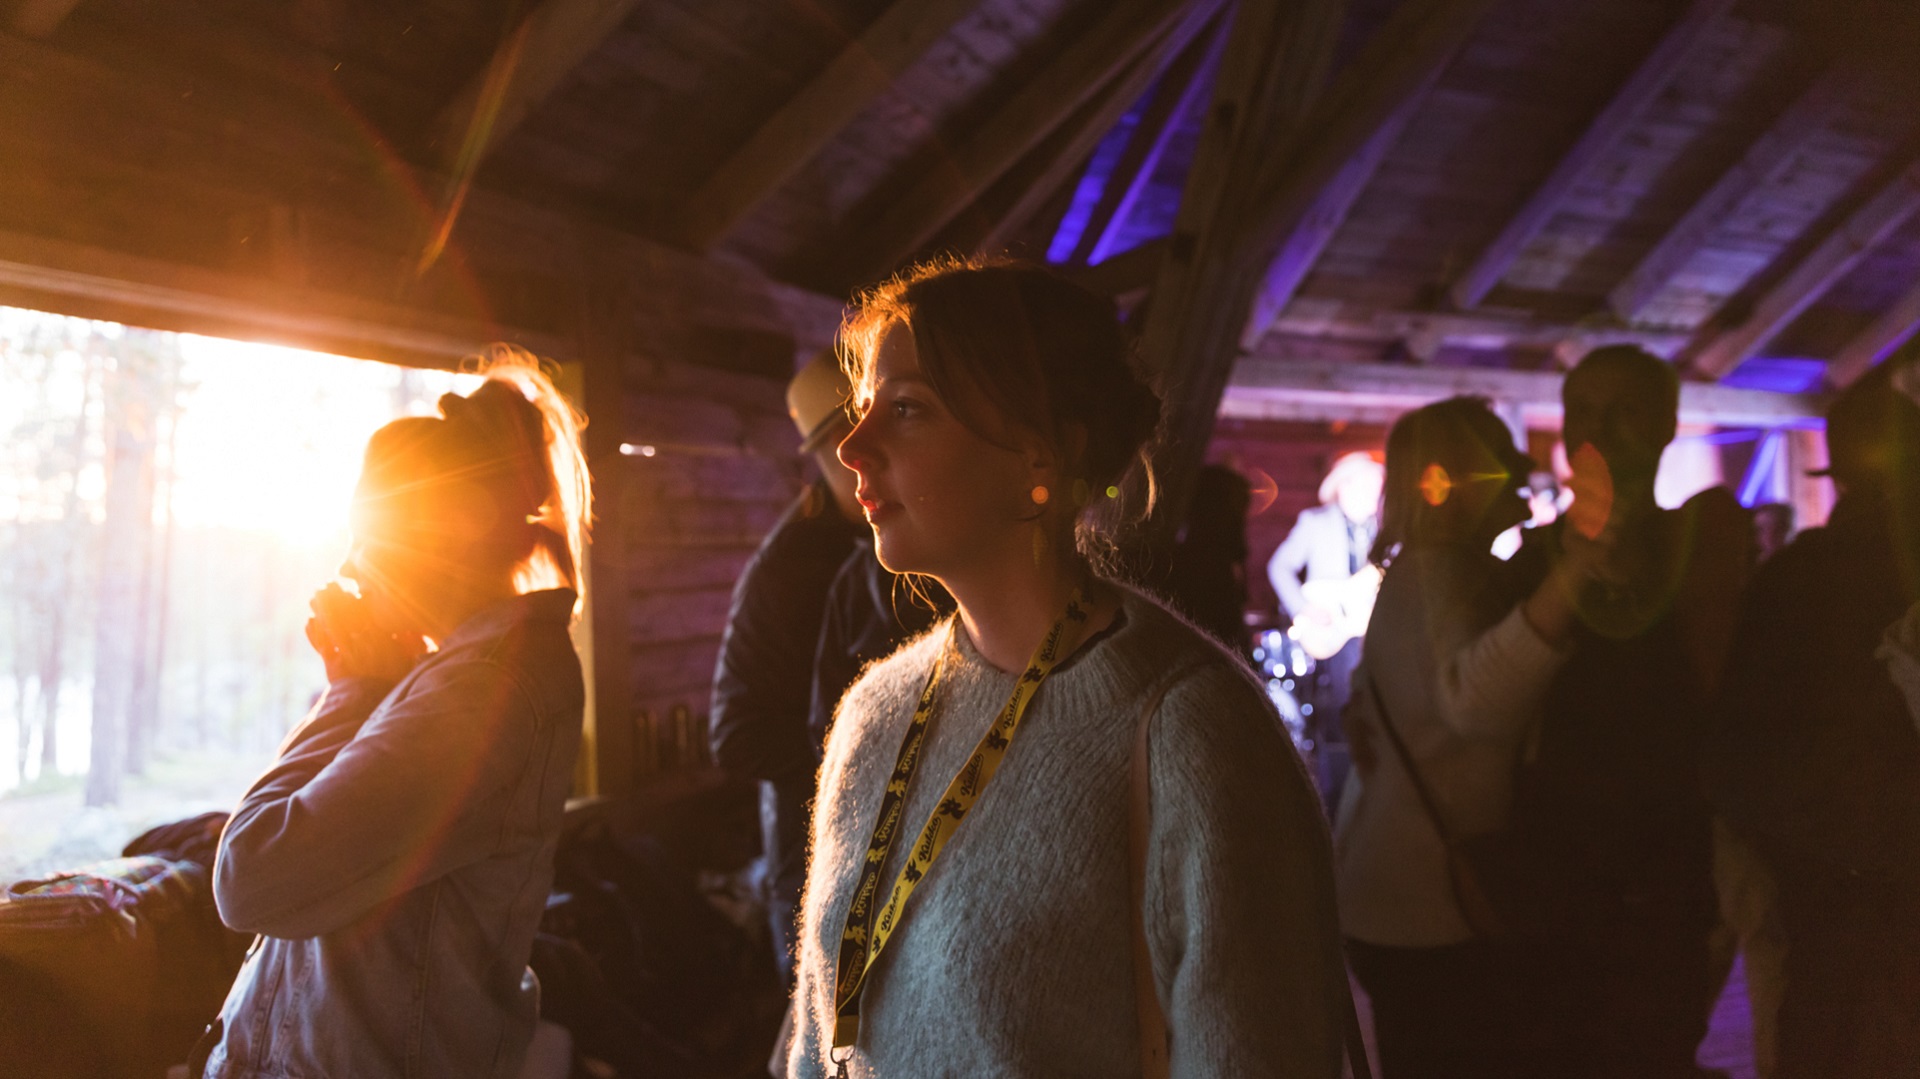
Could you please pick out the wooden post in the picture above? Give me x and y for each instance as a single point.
(607, 342)
(1238, 207)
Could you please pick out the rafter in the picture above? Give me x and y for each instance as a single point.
(525, 70)
(1078, 137)
(1297, 389)
(797, 130)
(1895, 327)
(1124, 31)
(40, 18)
(1334, 321)
(1885, 210)
(1182, 88)
(1310, 236)
(1601, 136)
(1763, 162)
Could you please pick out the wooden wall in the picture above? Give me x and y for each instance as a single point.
(248, 203)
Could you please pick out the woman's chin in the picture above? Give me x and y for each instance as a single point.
(899, 553)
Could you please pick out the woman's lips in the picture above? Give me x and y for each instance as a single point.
(876, 508)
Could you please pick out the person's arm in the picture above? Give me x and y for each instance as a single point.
(1289, 561)
(1899, 649)
(836, 661)
(357, 813)
(1443, 636)
(1239, 905)
(763, 676)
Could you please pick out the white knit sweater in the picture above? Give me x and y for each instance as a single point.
(1013, 955)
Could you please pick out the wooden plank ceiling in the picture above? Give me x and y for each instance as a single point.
(1729, 182)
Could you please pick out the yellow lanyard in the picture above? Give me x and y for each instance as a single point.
(863, 937)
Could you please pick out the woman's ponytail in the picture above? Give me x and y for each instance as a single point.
(527, 436)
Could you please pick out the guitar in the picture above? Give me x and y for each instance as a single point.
(1349, 600)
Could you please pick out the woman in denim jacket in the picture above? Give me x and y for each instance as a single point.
(395, 859)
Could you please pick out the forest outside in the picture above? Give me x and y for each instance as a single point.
(167, 505)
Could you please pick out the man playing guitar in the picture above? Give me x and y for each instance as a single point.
(1326, 586)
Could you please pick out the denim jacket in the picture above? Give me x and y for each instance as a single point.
(396, 858)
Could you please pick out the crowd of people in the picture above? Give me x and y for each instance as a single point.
(1021, 818)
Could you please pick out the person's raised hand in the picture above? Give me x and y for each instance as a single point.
(352, 645)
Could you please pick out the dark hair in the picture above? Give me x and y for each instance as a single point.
(1457, 435)
(512, 444)
(1631, 362)
(1041, 352)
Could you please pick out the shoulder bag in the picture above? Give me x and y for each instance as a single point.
(1498, 894)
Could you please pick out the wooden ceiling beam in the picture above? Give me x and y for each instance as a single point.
(1228, 234)
(524, 71)
(1762, 163)
(1295, 389)
(1612, 123)
(40, 18)
(1124, 31)
(1885, 210)
(1482, 330)
(798, 129)
(1068, 157)
(1895, 327)
(1182, 88)
(1309, 238)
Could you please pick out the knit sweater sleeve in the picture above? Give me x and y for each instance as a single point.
(1240, 904)
(1490, 666)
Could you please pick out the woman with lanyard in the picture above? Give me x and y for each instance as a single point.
(969, 908)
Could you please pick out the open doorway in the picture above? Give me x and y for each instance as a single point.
(167, 503)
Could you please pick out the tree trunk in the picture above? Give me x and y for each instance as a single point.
(63, 587)
(125, 530)
(143, 704)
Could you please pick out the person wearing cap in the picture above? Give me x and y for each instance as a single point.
(763, 679)
(1327, 550)
(1815, 755)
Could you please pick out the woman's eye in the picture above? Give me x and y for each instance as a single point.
(904, 407)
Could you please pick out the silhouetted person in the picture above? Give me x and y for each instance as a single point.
(1612, 805)
(1456, 664)
(1817, 759)
(1772, 529)
(763, 679)
(1207, 580)
(396, 857)
(870, 612)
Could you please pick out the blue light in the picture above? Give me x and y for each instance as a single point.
(1780, 374)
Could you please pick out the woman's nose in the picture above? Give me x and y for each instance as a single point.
(853, 451)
